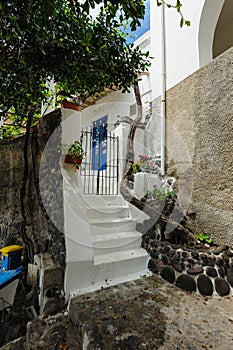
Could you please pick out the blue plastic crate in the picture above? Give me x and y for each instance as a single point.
(11, 258)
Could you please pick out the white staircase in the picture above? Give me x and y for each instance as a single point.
(118, 256)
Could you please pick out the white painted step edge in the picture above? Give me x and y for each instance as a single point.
(108, 212)
(114, 236)
(120, 244)
(95, 201)
(97, 222)
(118, 256)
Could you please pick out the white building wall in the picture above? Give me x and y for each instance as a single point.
(187, 48)
(182, 56)
(79, 247)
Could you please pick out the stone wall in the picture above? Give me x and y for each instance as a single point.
(200, 145)
(44, 189)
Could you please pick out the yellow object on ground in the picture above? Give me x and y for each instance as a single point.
(10, 249)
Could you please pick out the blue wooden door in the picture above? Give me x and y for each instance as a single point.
(99, 144)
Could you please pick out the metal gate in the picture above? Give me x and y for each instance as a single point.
(100, 168)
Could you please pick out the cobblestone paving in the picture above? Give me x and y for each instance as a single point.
(147, 314)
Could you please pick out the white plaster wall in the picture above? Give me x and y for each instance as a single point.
(122, 132)
(181, 43)
(187, 49)
(71, 125)
(114, 104)
(79, 251)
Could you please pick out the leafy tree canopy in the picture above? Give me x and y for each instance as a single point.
(59, 39)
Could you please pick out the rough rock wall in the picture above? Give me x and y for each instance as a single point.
(200, 143)
(44, 185)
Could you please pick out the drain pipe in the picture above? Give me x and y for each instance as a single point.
(163, 91)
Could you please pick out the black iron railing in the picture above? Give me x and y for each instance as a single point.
(100, 168)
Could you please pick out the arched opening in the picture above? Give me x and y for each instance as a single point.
(208, 22)
(223, 37)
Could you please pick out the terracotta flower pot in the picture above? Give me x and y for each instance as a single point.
(70, 105)
(73, 163)
(70, 160)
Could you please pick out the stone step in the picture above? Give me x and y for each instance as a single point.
(112, 225)
(120, 264)
(98, 285)
(108, 212)
(100, 201)
(112, 242)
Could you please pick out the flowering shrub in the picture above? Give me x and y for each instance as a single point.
(149, 108)
(144, 163)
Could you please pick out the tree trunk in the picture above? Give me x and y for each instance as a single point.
(27, 241)
(181, 233)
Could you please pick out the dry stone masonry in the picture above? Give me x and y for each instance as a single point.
(46, 237)
(208, 271)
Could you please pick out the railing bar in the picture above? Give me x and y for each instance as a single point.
(114, 160)
(84, 171)
(98, 167)
(89, 159)
(81, 140)
(109, 176)
(117, 166)
(101, 163)
(110, 162)
(86, 163)
(114, 169)
(89, 165)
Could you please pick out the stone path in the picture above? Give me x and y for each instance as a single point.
(196, 323)
(187, 304)
(147, 314)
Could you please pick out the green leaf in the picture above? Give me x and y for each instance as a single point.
(178, 5)
(181, 22)
(83, 55)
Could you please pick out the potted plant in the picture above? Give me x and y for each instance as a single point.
(74, 103)
(74, 154)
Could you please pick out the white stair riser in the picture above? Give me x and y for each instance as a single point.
(108, 271)
(113, 227)
(108, 212)
(116, 245)
(118, 256)
(113, 282)
(99, 201)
